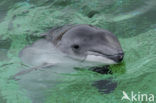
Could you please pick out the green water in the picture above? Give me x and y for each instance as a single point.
(133, 21)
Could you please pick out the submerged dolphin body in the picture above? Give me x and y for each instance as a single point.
(63, 49)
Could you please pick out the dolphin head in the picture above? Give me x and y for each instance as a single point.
(88, 43)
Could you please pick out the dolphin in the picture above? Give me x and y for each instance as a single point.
(81, 42)
(62, 49)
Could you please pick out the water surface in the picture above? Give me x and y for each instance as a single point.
(132, 21)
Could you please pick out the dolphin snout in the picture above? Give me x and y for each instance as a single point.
(99, 56)
(118, 57)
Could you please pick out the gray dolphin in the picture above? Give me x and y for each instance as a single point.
(78, 42)
(61, 50)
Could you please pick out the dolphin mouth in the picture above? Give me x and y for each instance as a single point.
(98, 56)
(97, 53)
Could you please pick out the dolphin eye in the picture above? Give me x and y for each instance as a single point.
(76, 47)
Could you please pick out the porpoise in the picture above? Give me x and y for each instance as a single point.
(62, 49)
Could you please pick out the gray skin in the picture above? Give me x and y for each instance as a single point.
(63, 49)
(82, 41)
